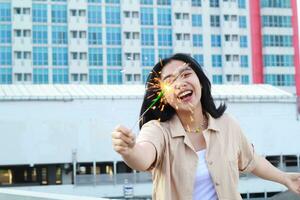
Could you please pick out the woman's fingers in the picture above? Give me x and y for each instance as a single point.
(122, 139)
(121, 136)
(120, 149)
(123, 129)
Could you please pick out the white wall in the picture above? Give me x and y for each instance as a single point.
(47, 132)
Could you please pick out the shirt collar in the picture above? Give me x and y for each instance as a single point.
(178, 130)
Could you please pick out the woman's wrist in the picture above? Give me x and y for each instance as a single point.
(286, 179)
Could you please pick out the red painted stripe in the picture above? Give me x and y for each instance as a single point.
(256, 41)
(296, 45)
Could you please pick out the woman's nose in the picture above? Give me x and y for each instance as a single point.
(179, 84)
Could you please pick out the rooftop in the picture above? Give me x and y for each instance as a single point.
(258, 92)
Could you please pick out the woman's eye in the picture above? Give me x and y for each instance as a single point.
(185, 75)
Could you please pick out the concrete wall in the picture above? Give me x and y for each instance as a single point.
(35, 132)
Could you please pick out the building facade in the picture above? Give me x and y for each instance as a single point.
(119, 41)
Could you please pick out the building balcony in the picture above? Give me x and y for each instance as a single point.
(131, 24)
(22, 65)
(21, 43)
(131, 45)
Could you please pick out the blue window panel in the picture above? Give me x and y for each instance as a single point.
(5, 12)
(216, 40)
(96, 76)
(277, 41)
(39, 13)
(40, 76)
(197, 20)
(113, 36)
(95, 35)
(5, 34)
(242, 22)
(164, 17)
(268, 40)
(243, 41)
(216, 60)
(113, 1)
(114, 76)
(163, 2)
(164, 53)
(164, 37)
(197, 40)
(60, 76)
(59, 13)
(94, 1)
(280, 79)
(146, 2)
(242, 3)
(244, 61)
(40, 56)
(112, 15)
(214, 3)
(148, 57)
(5, 56)
(275, 3)
(60, 56)
(114, 56)
(5, 75)
(95, 57)
(245, 79)
(196, 3)
(287, 40)
(278, 61)
(199, 59)
(146, 16)
(94, 14)
(215, 21)
(147, 36)
(276, 21)
(40, 34)
(59, 34)
(59, 0)
(145, 74)
(217, 79)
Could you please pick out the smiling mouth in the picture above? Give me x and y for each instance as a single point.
(185, 95)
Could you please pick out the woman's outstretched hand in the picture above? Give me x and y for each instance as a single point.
(293, 182)
(123, 140)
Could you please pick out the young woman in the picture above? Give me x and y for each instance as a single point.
(194, 149)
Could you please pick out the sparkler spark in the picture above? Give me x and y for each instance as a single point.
(159, 88)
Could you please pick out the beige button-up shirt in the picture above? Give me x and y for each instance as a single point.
(174, 170)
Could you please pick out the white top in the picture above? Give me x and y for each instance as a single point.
(203, 187)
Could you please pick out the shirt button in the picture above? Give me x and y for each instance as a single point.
(217, 184)
(210, 162)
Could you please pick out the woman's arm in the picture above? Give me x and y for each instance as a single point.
(139, 156)
(266, 170)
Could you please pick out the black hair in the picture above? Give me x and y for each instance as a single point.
(207, 101)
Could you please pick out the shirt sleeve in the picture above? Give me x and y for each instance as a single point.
(152, 132)
(247, 157)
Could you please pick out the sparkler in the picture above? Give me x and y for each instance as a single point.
(161, 89)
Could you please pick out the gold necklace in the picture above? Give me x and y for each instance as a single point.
(198, 129)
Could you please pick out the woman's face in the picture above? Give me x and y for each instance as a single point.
(184, 91)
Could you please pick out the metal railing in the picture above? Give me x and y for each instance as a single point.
(106, 179)
(141, 177)
(283, 168)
